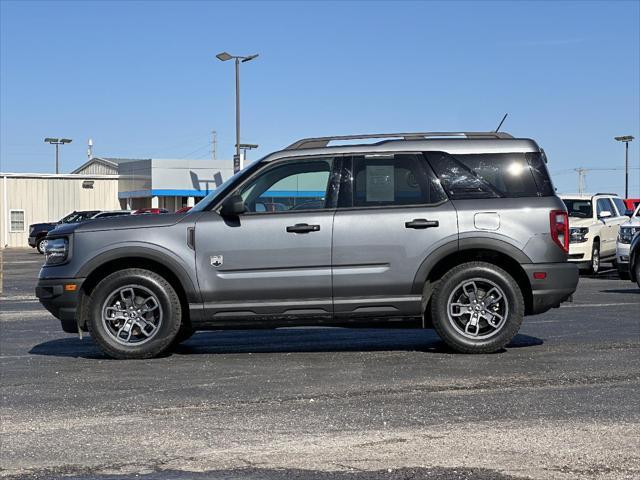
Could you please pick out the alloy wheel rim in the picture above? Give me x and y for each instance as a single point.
(477, 308)
(132, 315)
(595, 261)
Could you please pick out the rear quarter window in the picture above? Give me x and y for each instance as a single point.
(492, 175)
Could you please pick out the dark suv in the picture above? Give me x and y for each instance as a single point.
(457, 231)
(39, 231)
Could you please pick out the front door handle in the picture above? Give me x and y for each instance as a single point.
(421, 223)
(302, 228)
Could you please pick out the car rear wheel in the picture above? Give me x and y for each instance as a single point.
(41, 244)
(477, 307)
(134, 313)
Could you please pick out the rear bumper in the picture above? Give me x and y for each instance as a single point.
(62, 303)
(32, 241)
(559, 284)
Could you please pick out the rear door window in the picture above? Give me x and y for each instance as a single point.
(492, 175)
(390, 180)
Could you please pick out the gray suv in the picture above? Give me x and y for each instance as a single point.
(461, 232)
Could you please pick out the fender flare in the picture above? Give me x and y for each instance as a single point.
(154, 253)
(461, 245)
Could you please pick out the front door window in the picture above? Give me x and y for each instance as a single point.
(295, 185)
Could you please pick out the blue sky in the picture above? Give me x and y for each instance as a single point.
(141, 78)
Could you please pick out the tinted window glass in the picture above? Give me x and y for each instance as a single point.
(77, 217)
(604, 205)
(492, 175)
(622, 208)
(393, 180)
(292, 185)
(578, 208)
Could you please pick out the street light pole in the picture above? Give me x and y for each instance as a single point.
(240, 162)
(57, 142)
(626, 139)
(223, 57)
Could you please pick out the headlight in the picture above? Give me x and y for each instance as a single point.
(56, 251)
(578, 234)
(626, 234)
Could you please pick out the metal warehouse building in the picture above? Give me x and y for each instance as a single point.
(28, 198)
(103, 184)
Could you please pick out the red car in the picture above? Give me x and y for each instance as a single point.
(631, 203)
(150, 211)
(183, 210)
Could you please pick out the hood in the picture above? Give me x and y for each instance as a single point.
(634, 222)
(128, 221)
(43, 226)
(580, 222)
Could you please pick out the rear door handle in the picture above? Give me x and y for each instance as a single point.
(421, 223)
(303, 228)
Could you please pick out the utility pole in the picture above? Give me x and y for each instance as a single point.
(90, 149)
(582, 173)
(214, 145)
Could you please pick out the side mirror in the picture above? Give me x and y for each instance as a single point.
(605, 214)
(232, 206)
(628, 213)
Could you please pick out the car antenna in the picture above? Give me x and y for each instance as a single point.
(501, 122)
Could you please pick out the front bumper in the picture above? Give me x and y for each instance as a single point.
(622, 256)
(60, 300)
(580, 252)
(559, 284)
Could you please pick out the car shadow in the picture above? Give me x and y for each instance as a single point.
(285, 340)
(620, 290)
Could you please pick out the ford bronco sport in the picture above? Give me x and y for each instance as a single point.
(461, 232)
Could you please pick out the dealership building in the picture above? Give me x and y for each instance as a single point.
(103, 184)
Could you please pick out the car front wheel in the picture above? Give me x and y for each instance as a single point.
(477, 307)
(40, 246)
(134, 313)
(594, 268)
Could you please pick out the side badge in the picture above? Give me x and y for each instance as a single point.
(216, 260)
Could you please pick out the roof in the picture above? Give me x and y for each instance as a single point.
(586, 196)
(75, 176)
(112, 162)
(458, 145)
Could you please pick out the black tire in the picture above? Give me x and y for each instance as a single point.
(624, 275)
(638, 273)
(479, 272)
(594, 266)
(40, 245)
(170, 311)
(184, 334)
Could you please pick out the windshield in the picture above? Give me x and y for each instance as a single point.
(76, 217)
(578, 208)
(222, 189)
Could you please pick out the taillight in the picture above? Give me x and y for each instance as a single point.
(559, 225)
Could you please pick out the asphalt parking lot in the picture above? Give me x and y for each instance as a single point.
(560, 402)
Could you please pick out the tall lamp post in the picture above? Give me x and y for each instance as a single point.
(626, 139)
(57, 142)
(224, 56)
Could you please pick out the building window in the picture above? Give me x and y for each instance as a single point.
(17, 220)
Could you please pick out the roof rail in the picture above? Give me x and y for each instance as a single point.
(321, 142)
